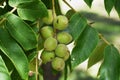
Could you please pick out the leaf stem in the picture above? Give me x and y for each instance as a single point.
(53, 9)
(37, 63)
(37, 66)
(69, 5)
(13, 10)
(101, 36)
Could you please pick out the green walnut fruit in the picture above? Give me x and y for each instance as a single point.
(47, 56)
(46, 32)
(64, 37)
(66, 57)
(60, 22)
(48, 19)
(61, 50)
(58, 64)
(50, 44)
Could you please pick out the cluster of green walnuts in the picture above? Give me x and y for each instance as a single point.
(56, 40)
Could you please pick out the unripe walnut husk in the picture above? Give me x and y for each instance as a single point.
(60, 22)
(47, 32)
(48, 19)
(64, 37)
(66, 57)
(50, 44)
(47, 56)
(61, 50)
(58, 64)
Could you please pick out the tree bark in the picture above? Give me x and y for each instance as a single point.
(48, 73)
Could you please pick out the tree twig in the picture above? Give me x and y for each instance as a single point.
(54, 15)
(101, 36)
(69, 5)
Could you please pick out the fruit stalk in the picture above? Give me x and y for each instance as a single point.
(54, 15)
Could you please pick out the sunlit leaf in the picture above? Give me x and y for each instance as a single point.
(109, 5)
(85, 45)
(7, 61)
(89, 2)
(4, 74)
(76, 25)
(110, 69)
(21, 32)
(32, 65)
(14, 52)
(14, 3)
(32, 10)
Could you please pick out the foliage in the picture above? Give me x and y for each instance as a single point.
(20, 40)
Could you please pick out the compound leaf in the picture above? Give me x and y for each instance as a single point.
(85, 45)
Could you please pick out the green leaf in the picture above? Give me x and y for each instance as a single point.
(33, 77)
(32, 10)
(14, 52)
(15, 75)
(7, 61)
(89, 2)
(110, 69)
(40, 42)
(76, 25)
(85, 45)
(4, 74)
(67, 69)
(32, 65)
(32, 55)
(21, 32)
(97, 54)
(117, 6)
(14, 3)
(109, 5)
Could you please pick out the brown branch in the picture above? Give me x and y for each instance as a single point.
(48, 72)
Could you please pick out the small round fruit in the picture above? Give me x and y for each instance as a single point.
(58, 64)
(49, 18)
(64, 37)
(66, 57)
(60, 22)
(47, 31)
(47, 56)
(61, 50)
(50, 44)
